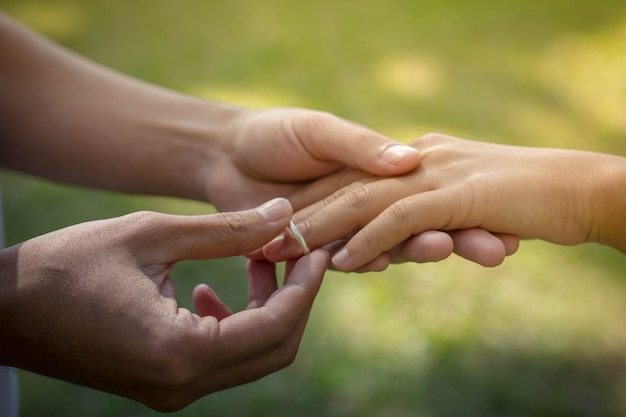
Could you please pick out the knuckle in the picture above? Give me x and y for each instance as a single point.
(369, 241)
(357, 198)
(236, 222)
(307, 229)
(400, 212)
(464, 198)
(144, 217)
(139, 221)
(315, 118)
(364, 139)
(232, 223)
(430, 137)
(309, 121)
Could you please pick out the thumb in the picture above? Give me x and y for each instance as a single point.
(176, 238)
(334, 139)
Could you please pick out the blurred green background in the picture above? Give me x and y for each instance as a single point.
(542, 335)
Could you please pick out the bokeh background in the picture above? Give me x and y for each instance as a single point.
(542, 335)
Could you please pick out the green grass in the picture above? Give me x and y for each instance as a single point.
(541, 335)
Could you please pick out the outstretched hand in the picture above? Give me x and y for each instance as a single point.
(94, 304)
(472, 191)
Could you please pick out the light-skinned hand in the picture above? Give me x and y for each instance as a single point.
(462, 187)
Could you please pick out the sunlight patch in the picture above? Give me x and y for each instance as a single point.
(589, 71)
(411, 75)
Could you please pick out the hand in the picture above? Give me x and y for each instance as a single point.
(275, 152)
(460, 185)
(94, 304)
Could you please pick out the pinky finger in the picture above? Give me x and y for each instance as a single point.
(428, 246)
(479, 245)
(511, 242)
(379, 264)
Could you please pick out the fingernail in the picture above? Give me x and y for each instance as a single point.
(275, 244)
(341, 259)
(395, 154)
(276, 209)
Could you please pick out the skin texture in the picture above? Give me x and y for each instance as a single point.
(562, 196)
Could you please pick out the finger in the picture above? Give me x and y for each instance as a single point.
(380, 263)
(255, 331)
(333, 185)
(261, 282)
(338, 216)
(428, 246)
(258, 341)
(434, 246)
(207, 303)
(511, 242)
(260, 363)
(256, 255)
(407, 217)
(173, 238)
(478, 245)
(330, 138)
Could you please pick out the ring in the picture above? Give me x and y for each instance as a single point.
(296, 234)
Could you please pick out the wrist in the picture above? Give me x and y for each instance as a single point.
(609, 202)
(188, 144)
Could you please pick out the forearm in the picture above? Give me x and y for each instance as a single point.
(9, 349)
(71, 120)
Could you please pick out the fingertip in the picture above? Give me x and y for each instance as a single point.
(511, 242)
(318, 258)
(207, 303)
(275, 210)
(428, 246)
(480, 246)
(342, 260)
(273, 249)
(400, 158)
(308, 271)
(322, 254)
(320, 262)
(377, 265)
(256, 255)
